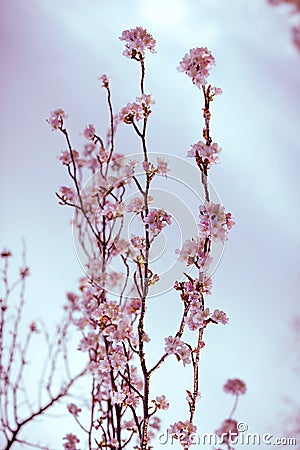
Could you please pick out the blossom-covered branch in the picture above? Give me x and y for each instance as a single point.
(21, 403)
(113, 300)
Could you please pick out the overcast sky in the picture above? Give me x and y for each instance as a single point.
(51, 55)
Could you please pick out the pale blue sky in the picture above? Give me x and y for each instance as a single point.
(52, 54)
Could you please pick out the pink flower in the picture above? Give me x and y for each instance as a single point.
(147, 166)
(162, 166)
(197, 64)
(137, 242)
(229, 221)
(235, 386)
(114, 443)
(129, 169)
(172, 343)
(56, 118)
(117, 359)
(73, 409)
(89, 132)
(89, 148)
(66, 159)
(215, 91)
(104, 80)
(137, 204)
(178, 348)
(145, 101)
(214, 222)
(161, 402)
(132, 399)
(118, 397)
(68, 194)
(188, 251)
(72, 440)
(228, 430)
(184, 432)
(207, 153)
(137, 40)
(157, 219)
(196, 319)
(104, 366)
(220, 316)
(112, 210)
(131, 112)
(140, 109)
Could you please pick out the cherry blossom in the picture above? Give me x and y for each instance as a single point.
(193, 252)
(67, 194)
(56, 118)
(138, 110)
(228, 430)
(235, 386)
(112, 210)
(89, 132)
(66, 158)
(118, 397)
(214, 222)
(161, 402)
(113, 335)
(73, 409)
(104, 80)
(104, 366)
(157, 219)
(215, 91)
(184, 432)
(197, 64)
(137, 204)
(220, 316)
(162, 166)
(207, 153)
(71, 441)
(175, 346)
(137, 40)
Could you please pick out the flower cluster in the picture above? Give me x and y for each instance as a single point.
(161, 168)
(175, 346)
(104, 80)
(228, 431)
(197, 64)
(113, 329)
(161, 402)
(235, 386)
(56, 118)
(89, 132)
(138, 110)
(68, 194)
(206, 155)
(137, 204)
(71, 441)
(193, 252)
(66, 158)
(214, 222)
(137, 41)
(156, 220)
(184, 432)
(73, 409)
